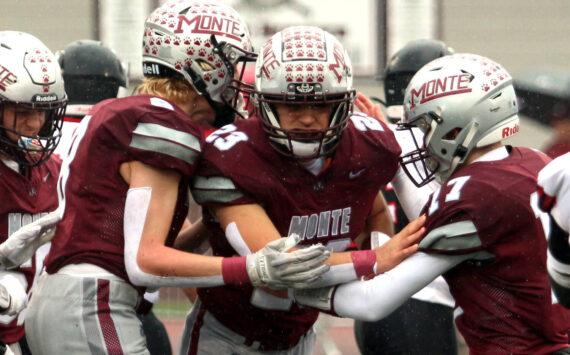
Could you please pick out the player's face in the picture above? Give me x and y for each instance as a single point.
(198, 108)
(22, 120)
(304, 117)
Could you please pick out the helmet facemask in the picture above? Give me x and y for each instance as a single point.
(30, 151)
(300, 143)
(235, 60)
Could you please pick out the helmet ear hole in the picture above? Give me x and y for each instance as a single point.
(452, 134)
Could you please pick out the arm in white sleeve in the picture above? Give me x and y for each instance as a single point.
(13, 296)
(136, 208)
(376, 298)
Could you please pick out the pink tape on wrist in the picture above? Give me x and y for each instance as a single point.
(234, 270)
(363, 261)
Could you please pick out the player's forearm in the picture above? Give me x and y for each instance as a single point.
(348, 266)
(376, 298)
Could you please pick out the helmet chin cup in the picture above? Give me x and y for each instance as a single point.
(304, 150)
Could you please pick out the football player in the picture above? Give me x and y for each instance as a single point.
(484, 230)
(305, 164)
(123, 192)
(405, 330)
(32, 104)
(554, 197)
(92, 73)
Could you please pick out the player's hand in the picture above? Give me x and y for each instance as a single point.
(320, 298)
(13, 297)
(369, 108)
(400, 246)
(274, 267)
(22, 244)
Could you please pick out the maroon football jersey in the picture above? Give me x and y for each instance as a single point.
(23, 201)
(138, 128)
(504, 303)
(330, 208)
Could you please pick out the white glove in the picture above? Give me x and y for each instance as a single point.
(13, 297)
(274, 267)
(320, 298)
(22, 244)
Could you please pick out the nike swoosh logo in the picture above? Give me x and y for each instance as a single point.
(46, 177)
(354, 175)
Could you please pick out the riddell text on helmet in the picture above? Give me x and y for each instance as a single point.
(436, 88)
(215, 25)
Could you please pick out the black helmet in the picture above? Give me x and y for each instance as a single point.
(92, 72)
(405, 63)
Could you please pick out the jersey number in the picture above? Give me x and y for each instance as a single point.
(231, 137)
(453, 195)
(364, 123)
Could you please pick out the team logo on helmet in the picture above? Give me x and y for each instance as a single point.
(440, 87)
(6, 78)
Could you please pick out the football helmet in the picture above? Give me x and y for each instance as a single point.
(30, 77)
(460, 102)
(402, 67)
(303, 65)
(92, 72)
(201, 41)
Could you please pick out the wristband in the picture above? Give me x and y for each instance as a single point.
(364, 262)
(234, 270)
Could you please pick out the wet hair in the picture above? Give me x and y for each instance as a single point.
(176, 90)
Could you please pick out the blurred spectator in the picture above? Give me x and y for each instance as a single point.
(559, 120)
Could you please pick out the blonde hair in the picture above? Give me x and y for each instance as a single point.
(176, 90)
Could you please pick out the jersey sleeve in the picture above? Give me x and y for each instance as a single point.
(210, 186)
(372, 133)
(153, 131)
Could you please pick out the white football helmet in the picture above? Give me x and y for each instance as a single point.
(303, 65)
(460, 102)
(200, 41)
(30, 77)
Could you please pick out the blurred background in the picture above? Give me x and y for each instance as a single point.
(527, 37)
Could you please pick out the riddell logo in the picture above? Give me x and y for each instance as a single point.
(509, 131)
(45, 98)
(436, 88)
(151, 69)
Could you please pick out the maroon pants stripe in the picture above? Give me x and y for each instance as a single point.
(195, 335)
(110, 335)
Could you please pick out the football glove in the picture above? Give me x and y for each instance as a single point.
(22, 244)
(274, 267)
